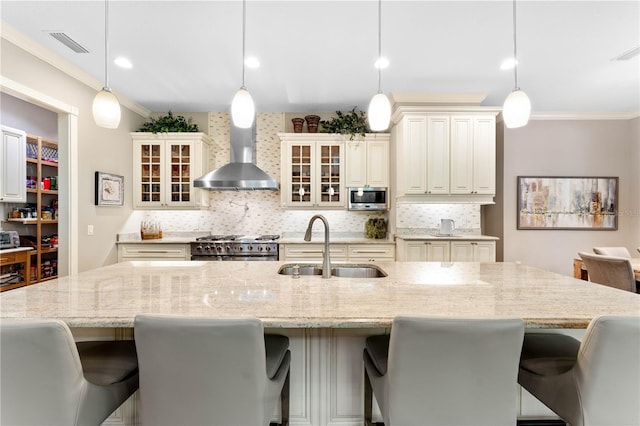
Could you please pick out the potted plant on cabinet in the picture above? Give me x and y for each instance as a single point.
(169, 123)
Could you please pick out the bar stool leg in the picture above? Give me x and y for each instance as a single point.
(284, 402)
(367, 400)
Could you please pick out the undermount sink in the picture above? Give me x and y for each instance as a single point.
(343, 270)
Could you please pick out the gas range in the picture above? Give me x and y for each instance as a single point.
(235, 247)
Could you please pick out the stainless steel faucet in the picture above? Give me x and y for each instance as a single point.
(326, 259)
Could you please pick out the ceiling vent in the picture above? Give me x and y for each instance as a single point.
(69, 42)
(628, 54)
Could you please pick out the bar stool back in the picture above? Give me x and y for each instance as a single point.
(596, 382)
(207, 371)
(445, 372)
(48, 379)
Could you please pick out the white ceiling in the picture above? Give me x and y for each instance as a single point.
(319, 55)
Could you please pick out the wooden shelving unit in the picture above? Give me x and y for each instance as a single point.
(42, 163)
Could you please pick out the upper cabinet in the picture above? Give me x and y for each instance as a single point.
(445, 156)
(13, 170)
(367, 161)
(164, 167)
(312, 170)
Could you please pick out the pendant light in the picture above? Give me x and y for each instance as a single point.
(242, 108)
(106, 108)
(379, 112)
(517, 107)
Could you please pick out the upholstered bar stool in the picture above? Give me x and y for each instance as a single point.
(204, 371)
(436, 371)
(593, 383)
(48, 379)
(611, 271)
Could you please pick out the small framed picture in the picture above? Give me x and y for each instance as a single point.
(109, 189)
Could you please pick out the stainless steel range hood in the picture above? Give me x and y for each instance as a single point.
(241, 174)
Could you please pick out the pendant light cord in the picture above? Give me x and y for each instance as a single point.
(244, 19)
(379, 45)
(106, 44)
(515, 49)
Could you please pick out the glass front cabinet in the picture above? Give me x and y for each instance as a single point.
(312, 170)
(164, 167)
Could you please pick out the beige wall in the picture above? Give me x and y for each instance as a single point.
(98, 150)
(565, 148)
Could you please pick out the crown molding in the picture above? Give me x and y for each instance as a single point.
(568, 116)
(30, 46)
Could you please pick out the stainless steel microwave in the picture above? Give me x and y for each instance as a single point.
(367, 198)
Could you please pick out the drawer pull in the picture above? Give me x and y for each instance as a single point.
(370, 251)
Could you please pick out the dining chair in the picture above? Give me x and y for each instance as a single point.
(612, 251)
(611, 271)
(208, 371)
(593, 383)
(48, 379)
(438, 371)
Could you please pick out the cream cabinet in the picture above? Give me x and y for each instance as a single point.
(311, 252)
(473, 155)
(371, 252)
(445, 156)
(367, 161)
(153, 251)
(164, 167)
(424, 251)
(312, 170)
(353, 252)
(13, 169)
(446, 250)
(473, 251)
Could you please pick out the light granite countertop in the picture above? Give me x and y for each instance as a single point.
(111, 296)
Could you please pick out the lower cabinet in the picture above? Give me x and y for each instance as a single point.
(151, 251)
(312, 252)
(446, 251)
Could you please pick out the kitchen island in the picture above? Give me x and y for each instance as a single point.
(327, 320)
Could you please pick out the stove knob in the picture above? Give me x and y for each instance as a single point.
(228, 248)
(240, 248)
(268, 248)
(259, 248)
(207, 248)
(250, 248)
(199, 248)
(218, 248)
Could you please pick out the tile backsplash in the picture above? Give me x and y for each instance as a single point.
(259, 212)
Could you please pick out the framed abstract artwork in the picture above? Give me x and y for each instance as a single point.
(577, 203)
(109, 189)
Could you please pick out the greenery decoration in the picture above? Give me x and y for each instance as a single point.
(352, 123)
(169, 123)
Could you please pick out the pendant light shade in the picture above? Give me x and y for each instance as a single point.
(243, 109)
(379, 112)
(106, 108)
(516, 109)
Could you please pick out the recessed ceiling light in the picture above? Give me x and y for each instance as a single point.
(252, 62)
(123, 62)
(381, 63)
(508, 64)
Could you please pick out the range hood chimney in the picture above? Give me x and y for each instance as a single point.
(241, 174)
